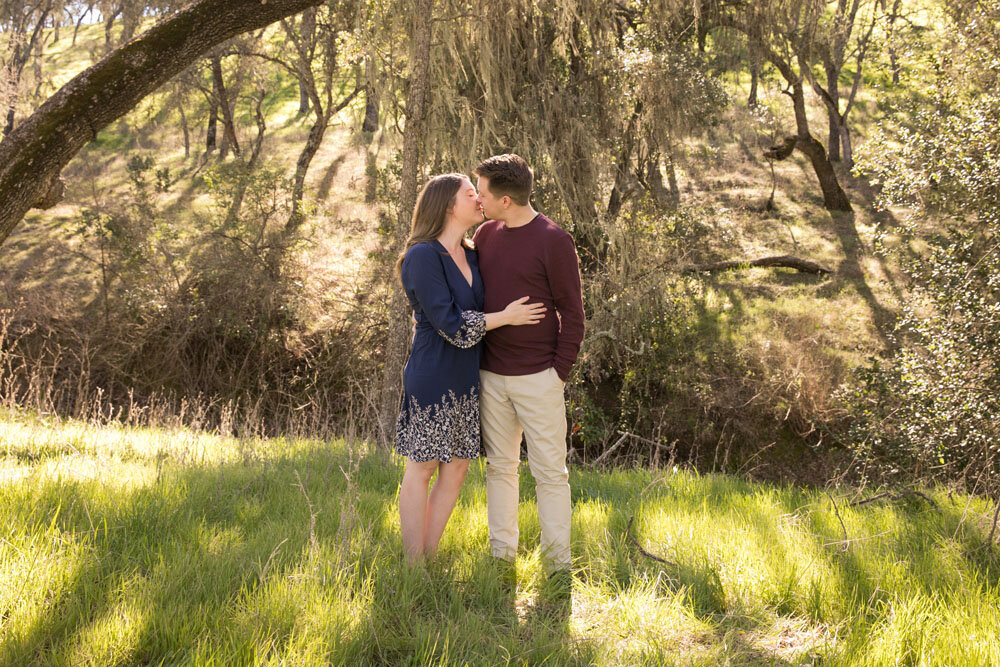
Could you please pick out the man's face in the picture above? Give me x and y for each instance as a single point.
(494, 208)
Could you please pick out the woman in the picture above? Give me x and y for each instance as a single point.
(438, 426)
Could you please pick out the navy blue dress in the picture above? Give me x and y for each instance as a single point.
(439, 418)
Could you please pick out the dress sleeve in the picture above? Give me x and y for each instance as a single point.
(423, 277)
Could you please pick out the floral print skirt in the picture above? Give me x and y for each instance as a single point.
(440, 431)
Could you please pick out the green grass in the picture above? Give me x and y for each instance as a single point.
(127, 545)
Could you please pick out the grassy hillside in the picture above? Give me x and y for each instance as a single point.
(744, 367)
(51, 266)
(137, 545)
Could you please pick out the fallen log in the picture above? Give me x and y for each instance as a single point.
(783, 261)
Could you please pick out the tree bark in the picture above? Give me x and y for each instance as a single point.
(213, 122)
(131, 15)
(834, 197)
(313, 142)
(368, 129)
(307, 35)
(370, 123)
(413, 140)
(303, 100)
(184, 127)
(617, 197)
(34, 153)
(110, 24)
(833, 112)
(228, 124)
(79, 21)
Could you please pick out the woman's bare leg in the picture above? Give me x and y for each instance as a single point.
(414, 508)
(442, 501)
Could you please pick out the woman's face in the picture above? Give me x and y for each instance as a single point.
(467, 207)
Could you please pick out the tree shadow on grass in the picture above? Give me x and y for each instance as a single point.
(861, 571)
(323, 190)
(851, 272)
(194, 546)
(221, 561)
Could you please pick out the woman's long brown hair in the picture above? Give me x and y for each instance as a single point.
(433, 204)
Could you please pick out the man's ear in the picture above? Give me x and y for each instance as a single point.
(506, 200)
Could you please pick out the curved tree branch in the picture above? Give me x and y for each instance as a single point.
(34, 153)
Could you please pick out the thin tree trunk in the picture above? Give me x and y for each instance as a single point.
(833, 112)
(368, 129)
(303, 100)
(22, 53)
(306, 156)
(130, 21)
(34, 153)
(79, 22)
(307, 35)
(413, 140)
(654, 180)
(673, 190)
(754, 76)
(617, 197)
(213, 121)
(184, 128)
(893, 55)
(109, 24)
(834, 197)
(228, 125)
(845, 145)
(370, 123)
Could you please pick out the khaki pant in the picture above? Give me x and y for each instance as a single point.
(534, 403)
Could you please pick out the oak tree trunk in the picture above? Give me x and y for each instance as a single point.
(834, 197)
(413, 144)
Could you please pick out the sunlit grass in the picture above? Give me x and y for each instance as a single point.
(135, 545)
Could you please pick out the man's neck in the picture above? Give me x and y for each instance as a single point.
(520, 216)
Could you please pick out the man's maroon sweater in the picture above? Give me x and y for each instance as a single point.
(537, 260)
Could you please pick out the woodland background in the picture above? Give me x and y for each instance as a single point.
(784, 419)
(216, 253)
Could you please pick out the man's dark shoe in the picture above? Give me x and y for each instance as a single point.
(555, 597)
(507, 575)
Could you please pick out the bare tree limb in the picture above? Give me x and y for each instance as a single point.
(628, 531)
(894, 496)
(607, 452)
(785, 261)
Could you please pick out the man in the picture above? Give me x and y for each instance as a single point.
(524, 369)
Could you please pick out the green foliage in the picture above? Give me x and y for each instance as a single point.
(136, 245)
(934, 405)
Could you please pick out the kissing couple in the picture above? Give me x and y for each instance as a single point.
(499, 322)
